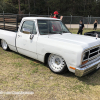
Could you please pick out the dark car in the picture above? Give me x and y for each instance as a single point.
(93, 33)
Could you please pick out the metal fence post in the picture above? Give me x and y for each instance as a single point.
(71, 21)
(29, 13)
(83, 19)
(90, 19)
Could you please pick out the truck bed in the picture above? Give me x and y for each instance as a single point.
(9, 37)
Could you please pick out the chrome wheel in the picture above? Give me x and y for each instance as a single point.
(4, 45)
(56, 63)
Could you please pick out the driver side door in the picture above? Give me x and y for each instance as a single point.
(24, 44)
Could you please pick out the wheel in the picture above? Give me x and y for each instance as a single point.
(57, 64)
(4, 45)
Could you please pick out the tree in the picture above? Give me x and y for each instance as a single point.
(42, 7)
(19, 6)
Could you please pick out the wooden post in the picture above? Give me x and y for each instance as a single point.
(16, 22)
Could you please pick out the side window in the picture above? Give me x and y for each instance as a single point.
(29, 25)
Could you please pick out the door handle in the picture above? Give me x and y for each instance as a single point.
(19, 36)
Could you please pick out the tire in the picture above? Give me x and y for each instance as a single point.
(56, 64)
(4, 45)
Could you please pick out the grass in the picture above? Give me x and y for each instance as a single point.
(84, 31)
(20, 73)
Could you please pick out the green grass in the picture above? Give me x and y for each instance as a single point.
(74, 31)
(20, 73)
(35, 70)
(17, 64)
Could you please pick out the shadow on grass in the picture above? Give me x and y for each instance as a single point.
(23, 56)
(31, 59)
(92, 78)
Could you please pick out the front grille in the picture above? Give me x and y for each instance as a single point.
(93, 52)
(94, 49)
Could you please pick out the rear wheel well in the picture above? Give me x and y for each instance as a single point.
(46, 57)
(4, 44)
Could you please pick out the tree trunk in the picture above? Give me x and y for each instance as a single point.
(29, 5)
(19, 7)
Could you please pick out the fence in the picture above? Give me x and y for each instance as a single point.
(12, 21)
(73, 21)
(76, 19)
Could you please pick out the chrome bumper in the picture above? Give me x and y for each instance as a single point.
(89, 68)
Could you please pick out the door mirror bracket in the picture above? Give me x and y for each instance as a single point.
(31, 36)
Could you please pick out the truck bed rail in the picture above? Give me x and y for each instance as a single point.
(11, 22)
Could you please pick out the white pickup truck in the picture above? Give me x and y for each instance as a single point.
(49, 41)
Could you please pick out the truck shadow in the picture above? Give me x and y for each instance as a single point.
(92, 78)
(28, 58)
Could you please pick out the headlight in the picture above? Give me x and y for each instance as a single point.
(85, 55)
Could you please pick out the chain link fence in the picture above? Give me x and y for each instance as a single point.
(76, 19)
(66, 19)
(73, 21)
(92, 19)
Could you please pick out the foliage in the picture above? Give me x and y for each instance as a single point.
(42, 7)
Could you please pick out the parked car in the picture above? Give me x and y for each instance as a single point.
(49, 41)
(93, 33)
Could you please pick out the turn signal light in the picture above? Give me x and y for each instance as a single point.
(84, 62)
(72, 67)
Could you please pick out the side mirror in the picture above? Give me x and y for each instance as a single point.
(26, 31)
(31, 36)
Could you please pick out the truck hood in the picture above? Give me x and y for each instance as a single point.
(80, 40)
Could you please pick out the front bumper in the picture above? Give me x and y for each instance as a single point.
(88, 68)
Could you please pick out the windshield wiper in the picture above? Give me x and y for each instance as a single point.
(60, 33)
(57, 32)
(64, 31)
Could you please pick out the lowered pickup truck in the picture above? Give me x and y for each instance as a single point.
(49, 41)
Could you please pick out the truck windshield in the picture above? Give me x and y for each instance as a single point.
(51, 27)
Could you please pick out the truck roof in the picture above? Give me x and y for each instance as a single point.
(47, 18)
